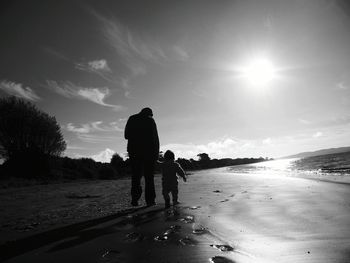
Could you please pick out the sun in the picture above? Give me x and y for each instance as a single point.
(259, 72)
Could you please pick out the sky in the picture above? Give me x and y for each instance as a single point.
(228, 78)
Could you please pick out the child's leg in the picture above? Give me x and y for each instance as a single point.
(174, 193)
(166, 197)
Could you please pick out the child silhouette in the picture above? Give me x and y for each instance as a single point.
(170, 170)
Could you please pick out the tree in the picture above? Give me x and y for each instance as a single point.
(203, 157)
(118, 163)
(204, 160)
(27, 132)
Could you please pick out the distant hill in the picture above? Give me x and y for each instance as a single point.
(319, 152)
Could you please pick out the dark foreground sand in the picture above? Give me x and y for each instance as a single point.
(223, 217)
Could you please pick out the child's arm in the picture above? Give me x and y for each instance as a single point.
(181, 172)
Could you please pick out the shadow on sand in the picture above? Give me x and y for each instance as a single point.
(76, 233)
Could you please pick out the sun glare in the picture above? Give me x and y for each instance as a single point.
(259, 72)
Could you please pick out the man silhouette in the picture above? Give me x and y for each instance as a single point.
(143, 148)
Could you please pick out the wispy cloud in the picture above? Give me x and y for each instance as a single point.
(95, 66)
(96, 138)
(135, 50)
(56, 54)
(94, 132)
(85, 128)
(180, 53)
(70, 90)
(75, 147)
(17, 89)
(100, 68)
(93, 127)
(101, 65)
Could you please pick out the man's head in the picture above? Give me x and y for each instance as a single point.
(146, 112)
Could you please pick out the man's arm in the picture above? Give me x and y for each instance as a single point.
(155, 140)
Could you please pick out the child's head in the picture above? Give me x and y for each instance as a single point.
(169, 156)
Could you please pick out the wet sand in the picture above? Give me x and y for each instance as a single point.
(223, 217)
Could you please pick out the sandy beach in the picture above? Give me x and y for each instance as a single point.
(223, 217)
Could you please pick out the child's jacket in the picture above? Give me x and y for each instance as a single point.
(169, 171)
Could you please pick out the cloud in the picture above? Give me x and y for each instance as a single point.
(99, 65)
(91, 132)
(216, 149)
(56, 54)
(180, 53)
(85, 128)
(16, 89)
(70, 90)
(135, 50)
(93, 138)
(93, 127)
(104, 156)
(75, 147)
(317, 135)
(132, 50)
(101, 68)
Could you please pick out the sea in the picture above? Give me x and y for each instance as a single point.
(331, 167)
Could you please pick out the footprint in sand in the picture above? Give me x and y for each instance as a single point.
(134, 237)
(200, 230)
(186, 241)
(173, 229)
(171, 215)
(223, 248)
(222, 201)
(194, 207)
(187, 219)
(219, 259)
(160, 238)
(133, 218)
(110, 256)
